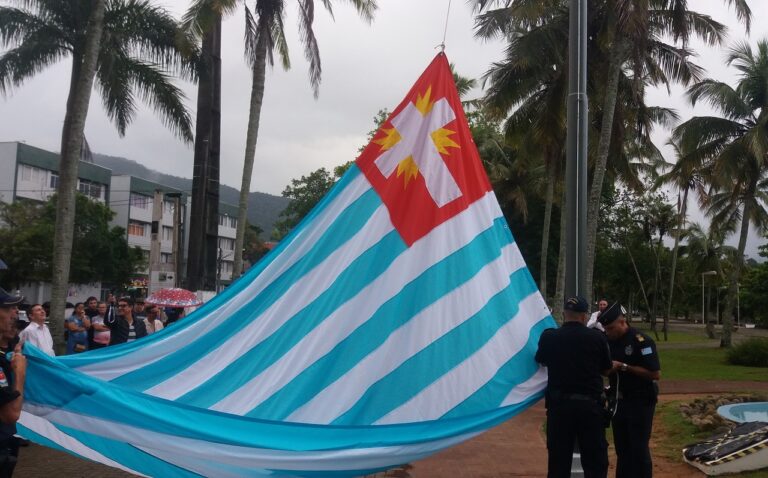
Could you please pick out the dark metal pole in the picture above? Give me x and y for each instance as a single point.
(576, 157)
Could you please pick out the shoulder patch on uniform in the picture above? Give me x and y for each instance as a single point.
(646, 351)
(640, 338)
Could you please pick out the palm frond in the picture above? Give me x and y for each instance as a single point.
(34, 55)
(311, 49)
(155, 87)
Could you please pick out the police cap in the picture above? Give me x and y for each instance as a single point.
(576, 304)
(612, 313)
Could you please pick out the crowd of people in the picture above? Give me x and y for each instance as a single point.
(95, 324)
(578, 356)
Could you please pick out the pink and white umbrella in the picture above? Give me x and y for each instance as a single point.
(173, 297)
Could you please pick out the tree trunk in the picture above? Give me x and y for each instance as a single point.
(557, 306)
(710, 327)
(201, 255)
(84, 66)
(601, 160)
(680, 223)
(637, 275)
(656, 294)
(545, 229)
(725, 341)
(257, 95)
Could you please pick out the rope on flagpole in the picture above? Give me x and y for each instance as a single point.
(445, 30)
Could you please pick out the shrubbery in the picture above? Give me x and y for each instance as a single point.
(752, 353)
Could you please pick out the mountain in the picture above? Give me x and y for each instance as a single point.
(263, 208)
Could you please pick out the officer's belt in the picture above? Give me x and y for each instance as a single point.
(574, 396)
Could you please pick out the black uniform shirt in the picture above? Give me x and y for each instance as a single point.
(7, 395)
(574, 356)
(635, 348)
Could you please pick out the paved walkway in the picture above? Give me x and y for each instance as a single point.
(513, 449)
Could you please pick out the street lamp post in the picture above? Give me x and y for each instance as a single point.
(703, 310)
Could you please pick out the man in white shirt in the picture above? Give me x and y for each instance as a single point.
(37, 333)
(593, 323)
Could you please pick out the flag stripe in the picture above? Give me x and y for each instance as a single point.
(439, 397)
(451, 310)
(402, 269)
(419, 293)
(306, 281)
(110, 362)
(436, 359)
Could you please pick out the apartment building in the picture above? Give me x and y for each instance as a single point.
(32, 173)
(137, 210)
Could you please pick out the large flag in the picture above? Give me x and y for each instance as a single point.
(398, 319)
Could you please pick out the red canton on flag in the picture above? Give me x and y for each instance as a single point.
(422, 161)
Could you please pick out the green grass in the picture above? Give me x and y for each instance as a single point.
(705, 364)
(678, 432)
(675, 336)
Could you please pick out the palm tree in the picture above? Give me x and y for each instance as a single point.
(127, 46)
(265, 36)
(706, 250)
(735, 145)
(532, 82)
(685, 175)
(629, 39)
(635, 32)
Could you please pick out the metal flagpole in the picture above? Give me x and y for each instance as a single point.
(576, 156)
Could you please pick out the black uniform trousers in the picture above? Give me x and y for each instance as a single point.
(9, 454)
(571, 421)
(631, 433)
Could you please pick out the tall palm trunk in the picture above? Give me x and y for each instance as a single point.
(656, 293)
(733, 286)
(680, 223)
(83, 72)
(547, 222)
(601, 161)
(559, 300)
(257, 96)
(202, 255)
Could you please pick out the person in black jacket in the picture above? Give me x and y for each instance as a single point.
(13, 370)
(575, 357)
(635, 385)
(123, 326)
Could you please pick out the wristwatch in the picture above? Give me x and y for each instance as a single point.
(624, 367)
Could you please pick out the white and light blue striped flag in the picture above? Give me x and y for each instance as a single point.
(398, 319)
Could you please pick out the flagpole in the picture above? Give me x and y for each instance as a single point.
(576, 156)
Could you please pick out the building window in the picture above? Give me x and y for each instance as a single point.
(89, 189)
(222, 220)
(226, 244)
(137, 229)
(168, 206)
(166, 258)
(167, 233)
(140, 201)
(232, 222)
(54, 181)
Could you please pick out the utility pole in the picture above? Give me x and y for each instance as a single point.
(154, 244)
(177, 236)
(576, 157)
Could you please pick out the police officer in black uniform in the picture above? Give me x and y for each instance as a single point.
(12, 376)
(635, 387)
(575, 357)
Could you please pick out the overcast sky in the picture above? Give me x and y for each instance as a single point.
(365, 68)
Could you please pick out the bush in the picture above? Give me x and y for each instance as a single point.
(752, 353)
